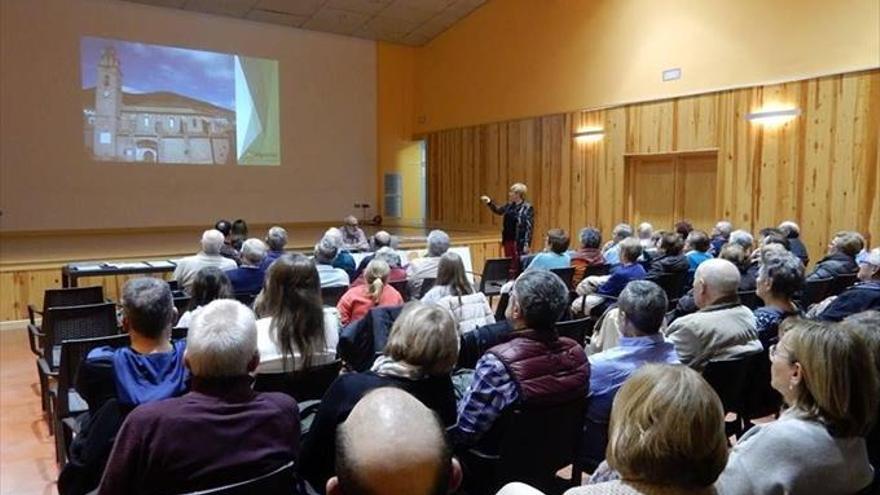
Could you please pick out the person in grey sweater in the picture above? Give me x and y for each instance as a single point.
(826, 376)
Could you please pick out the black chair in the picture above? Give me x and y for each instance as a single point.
(728, 379)
(70, 323)
(815, 291)
(174, 285)
(672, 283)
(577, 330)
(331, 295)
(179, 333)
(501, 308)
(281, 481)
(496, 272)
(181, 303)
(842, 282)
(597, 270)
(427, 284)
(526, 260)
(750, 299)
(475, 343)
(56, 298)
(302, 385)
(566, 275)
(246, 298)
(66, 402)
(533, 443)
(401, 286)
(760, 399)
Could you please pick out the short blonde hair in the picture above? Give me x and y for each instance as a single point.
(520, 189)
(667, 427)
(424, 335)
(839, 386)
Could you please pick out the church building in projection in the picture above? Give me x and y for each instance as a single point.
(153, 127)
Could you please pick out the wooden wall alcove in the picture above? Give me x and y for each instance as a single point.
(820, 169)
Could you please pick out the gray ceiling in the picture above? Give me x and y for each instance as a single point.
(409, 22)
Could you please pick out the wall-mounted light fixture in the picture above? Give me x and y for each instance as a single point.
(589, 135)
(773, 117)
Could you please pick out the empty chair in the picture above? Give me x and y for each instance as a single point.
(331, 295)
(55, 298)
(815, 291)
(302, 385)
(842, 282)
(281, 481)
(728, 379)
(495, 274)
(673, 283)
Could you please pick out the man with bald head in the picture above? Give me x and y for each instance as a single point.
(722, 329)
(392, 444)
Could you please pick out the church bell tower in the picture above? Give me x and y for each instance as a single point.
(108, 103)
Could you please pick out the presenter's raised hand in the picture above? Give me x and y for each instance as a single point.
(485, 199)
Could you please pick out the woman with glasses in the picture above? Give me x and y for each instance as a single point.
(827, 380)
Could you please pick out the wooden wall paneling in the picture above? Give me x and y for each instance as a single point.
(610, 191)
(650, 127)
(8, 289)
(869, 207)
(696, 122)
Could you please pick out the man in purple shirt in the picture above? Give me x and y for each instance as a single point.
(642, 305)
(221, 432)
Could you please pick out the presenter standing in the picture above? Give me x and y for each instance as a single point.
(519, 217)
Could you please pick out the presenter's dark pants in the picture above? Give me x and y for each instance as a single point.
(510, 251)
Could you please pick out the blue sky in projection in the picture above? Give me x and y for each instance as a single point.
(146, 68)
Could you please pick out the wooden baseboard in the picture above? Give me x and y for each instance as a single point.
(12, 325)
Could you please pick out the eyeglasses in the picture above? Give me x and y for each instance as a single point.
(773, 352)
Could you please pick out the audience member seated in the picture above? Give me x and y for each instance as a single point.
(720, 236)
(555, 253)
(792, 232)
(533, 366)
(645, 234)
(210, 283)
(666, 436)
(248, 278)
(276, 239)
(426, 266)
(454, 292)
(113, 381)
(867, 325)
(669, 258)
(862, 296)
(227, 250)
(841, 258)
(359, 299)
(212, 242)
(391, 257)
(325, 253)
(238, 233)
(380, 240)
(780, 277)
(589, 254)
(722, 329)
(683, 228)
(595, 289)
(828, 379)
(353, 237)
(696, 249)
(421, 351)
(221, 432)
(344, 260)
(640, 311)
(295, 330)
(611, 250)
(393, 444)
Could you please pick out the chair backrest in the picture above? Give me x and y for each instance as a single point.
(576, 330)
(181, 303)
(73, 296)
(566, 275)
(79, 322)
(728, 378)
(537, 442)
(842, 282)
(816, 290)
(597, 270)
(495, 271)
(427, 284)
(331, 295)
(302, 385)
(179, 333)
(403, 287)
(673, 283)
(246, 298)
(73, 352)
(760, 399)
(475, 343)
(750, 299)
(174, 285)
(281, 481)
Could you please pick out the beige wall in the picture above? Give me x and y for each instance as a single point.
(524, 58)
(328, 124)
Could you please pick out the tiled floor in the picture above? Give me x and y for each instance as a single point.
(27, 458)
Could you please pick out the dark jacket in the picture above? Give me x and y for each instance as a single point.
(677, 263)
(317, 462)
(833, 265)
(858, 298)
(361, 340)
(246, 279)
(548, 370)
(518, 222)
(797, 248)
(345, 260)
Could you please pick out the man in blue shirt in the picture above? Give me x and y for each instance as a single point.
(697, 248)
(612, 249)
(556, 253)
(248, 278)
(641, 307)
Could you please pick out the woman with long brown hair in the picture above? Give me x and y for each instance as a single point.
(294, 330)
(454, 292)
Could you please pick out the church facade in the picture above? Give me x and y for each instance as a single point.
(154, 127)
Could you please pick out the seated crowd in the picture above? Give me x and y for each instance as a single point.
(182, 415)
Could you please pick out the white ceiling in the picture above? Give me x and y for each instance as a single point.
(409, 22)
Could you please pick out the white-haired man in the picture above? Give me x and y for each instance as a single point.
(353, 237)
(722, 329)
(792, 232)
(212, 242)
(720, 236)
(276, 239)
(426, 267)
(248, 278)
(221, 432)
(343, 260)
